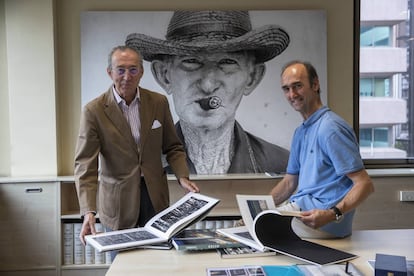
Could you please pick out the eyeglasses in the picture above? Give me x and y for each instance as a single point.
(295, 87)
(122, 71)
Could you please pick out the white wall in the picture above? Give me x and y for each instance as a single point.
(30, 133)
(4, 108)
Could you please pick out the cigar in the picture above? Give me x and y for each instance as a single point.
(210, 103)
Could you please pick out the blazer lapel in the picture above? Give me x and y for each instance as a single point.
(115, 115)
(147, 110)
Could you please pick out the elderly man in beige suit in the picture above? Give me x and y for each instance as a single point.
(123, 134)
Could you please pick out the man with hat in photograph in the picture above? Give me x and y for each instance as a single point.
(208, 62)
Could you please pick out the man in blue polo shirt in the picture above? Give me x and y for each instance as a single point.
(325, 178)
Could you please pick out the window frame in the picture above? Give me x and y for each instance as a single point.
(374, 163)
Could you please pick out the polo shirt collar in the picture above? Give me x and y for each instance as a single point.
(315, 116)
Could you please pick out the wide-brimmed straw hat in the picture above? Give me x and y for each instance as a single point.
(192, 32)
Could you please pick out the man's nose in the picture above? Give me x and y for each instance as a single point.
(208, 85)
(208, 82)
(290, 92)
(127, 76)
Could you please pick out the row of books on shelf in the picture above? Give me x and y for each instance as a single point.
(75, 253)
(214, 224)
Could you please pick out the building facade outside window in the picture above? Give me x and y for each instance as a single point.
(386, 105)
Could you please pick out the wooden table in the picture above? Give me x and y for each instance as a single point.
(365, 244)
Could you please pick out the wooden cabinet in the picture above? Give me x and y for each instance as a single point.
(85, 271)
(31, 217)
(28, 228)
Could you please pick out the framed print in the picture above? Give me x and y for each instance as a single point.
(261, 118)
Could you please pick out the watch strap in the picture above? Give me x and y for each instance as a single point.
(338, 213)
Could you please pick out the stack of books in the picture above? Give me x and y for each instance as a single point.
(202, 239)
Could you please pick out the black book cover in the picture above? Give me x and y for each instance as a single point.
(274, 231)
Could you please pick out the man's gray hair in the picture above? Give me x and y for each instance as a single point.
(122, 48)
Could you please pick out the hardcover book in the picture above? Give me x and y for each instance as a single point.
(410, 266)
(89, 254)
(99, 256)
(202, 239)
(78, 248)
(242, 252)
(273, 230)
(68, 238)
(159, 246)
(160, 228)
(269, 229)
(390, 265)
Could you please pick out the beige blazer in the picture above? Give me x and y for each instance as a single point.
(105, 133)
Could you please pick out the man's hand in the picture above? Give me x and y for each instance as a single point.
(188, 185)
(317, 218)
(88, 226)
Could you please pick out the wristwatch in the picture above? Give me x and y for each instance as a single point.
(338, 213)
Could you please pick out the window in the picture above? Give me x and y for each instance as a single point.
(374, 87)
(375, 36)
(386, 82)
(373, 137)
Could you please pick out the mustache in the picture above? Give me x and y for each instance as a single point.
(212, 102)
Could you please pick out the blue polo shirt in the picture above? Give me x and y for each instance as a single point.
(324, 149)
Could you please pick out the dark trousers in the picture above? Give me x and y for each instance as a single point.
(146, 211)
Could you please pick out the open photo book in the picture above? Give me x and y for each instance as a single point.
(271, 229)
(250, 206)
(186, 211)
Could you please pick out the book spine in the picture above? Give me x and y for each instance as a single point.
(229, 223)
(198, 247)
(210, 224)
(200, 225)
(78, 248)
(99, 256)
(108, 257)
(219, 224)
(89, 254)
(67, 243)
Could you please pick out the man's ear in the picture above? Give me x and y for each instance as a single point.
(255, 77)
(159, 69)
(109, 72)
(315, 85)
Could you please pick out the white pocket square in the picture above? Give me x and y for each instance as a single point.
(156, 124)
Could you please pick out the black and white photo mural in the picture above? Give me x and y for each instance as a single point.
(220, 71)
